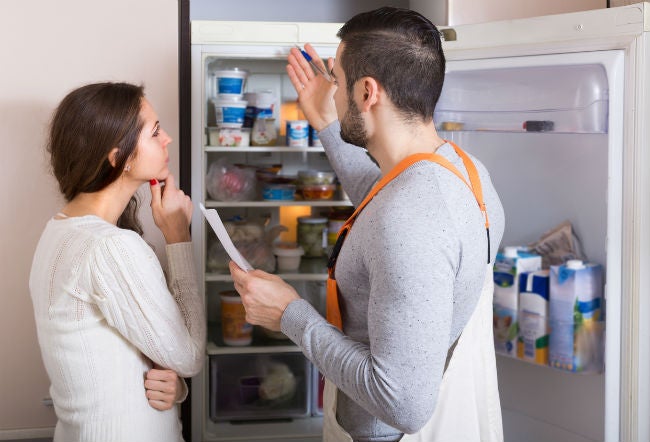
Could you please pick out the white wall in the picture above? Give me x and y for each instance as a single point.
(461, 12)
(48, 48)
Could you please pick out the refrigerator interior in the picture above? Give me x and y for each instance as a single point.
(544, 178)
(227, 416)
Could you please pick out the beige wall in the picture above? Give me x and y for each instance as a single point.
(460, 12)
(47, 48)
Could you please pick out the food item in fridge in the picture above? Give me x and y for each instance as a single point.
(575, 317)
(451, 125)
(264, 132)
(558, 245)
(278, 384)
(318, 191)
(230, 82)
(312, 235)
(278, 192)
(229, 112)
(309, 177)
(508, 265)
(226, 182)
(288, 256)
(234, 328)
(538, 126)
(298, 133)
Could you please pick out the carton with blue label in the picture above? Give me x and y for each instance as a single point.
(508, 265)
(575, 317)
(532, 342)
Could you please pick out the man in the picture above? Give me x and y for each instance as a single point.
(412, 272)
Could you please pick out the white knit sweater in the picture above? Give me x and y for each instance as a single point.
(103, 313)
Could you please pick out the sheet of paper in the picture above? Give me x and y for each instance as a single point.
(215, 222)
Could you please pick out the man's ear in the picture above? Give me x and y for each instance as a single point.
(369, 93)
(112, 156)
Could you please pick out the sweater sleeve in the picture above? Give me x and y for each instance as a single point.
(131, 292)
(354, 168)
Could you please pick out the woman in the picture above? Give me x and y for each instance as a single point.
(107, 322)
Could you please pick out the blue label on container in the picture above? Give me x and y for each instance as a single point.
(232, 115)
(229, 85)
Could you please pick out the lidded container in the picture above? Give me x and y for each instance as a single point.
(312, 236)
(229, 112)
(230, 82)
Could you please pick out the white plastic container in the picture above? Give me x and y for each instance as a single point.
(289, 256)
(229, 113)
(230, 82)
(507, 267)
(298, 133)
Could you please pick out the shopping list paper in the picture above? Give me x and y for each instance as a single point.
(215, 222)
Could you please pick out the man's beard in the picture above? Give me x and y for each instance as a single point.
(353, 129)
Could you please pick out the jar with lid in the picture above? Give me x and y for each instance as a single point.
(335, 220)
(312, 236)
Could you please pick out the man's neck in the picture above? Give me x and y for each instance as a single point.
(393, 140)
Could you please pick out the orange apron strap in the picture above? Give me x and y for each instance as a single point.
(333, 311)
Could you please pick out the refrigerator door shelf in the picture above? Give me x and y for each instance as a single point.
(561, 98)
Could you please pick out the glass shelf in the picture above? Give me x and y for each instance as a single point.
(311, 203)
(311, 269)
(260, 149)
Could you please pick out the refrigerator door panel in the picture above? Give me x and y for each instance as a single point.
(544, 178)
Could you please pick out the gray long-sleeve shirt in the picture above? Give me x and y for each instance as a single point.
(409, 273)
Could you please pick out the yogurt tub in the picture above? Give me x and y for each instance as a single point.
(230, 82)
(288, 255)
(229, 112)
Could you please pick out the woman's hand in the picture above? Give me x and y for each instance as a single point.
(172, 210)
(315, 93)
(265, 296)
(163, 388)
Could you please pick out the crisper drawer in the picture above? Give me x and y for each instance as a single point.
(259, 386)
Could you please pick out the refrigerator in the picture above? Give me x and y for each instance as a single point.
(558, 110)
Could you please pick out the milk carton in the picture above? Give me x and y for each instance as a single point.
(507, 267)
(575, 317)
(532, 343)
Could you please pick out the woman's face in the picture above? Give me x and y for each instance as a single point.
(151, 157)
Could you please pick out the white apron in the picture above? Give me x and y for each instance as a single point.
(467, 408)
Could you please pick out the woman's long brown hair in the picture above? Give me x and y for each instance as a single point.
(88, 123)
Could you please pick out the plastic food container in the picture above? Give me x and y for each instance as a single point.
(298, 133)
(230, 82)
(278, 192)
(236, 331)
(229, 113)
(288, 255)
(229, 137)
(312, 235)
(318, 191)
(308, 177)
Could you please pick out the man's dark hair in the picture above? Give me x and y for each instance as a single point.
(399, 48)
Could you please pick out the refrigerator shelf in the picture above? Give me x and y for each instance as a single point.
(555, 369)
(315, 277)
(281, 347)
(311, 269)
(249, 204)
(261, 149)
